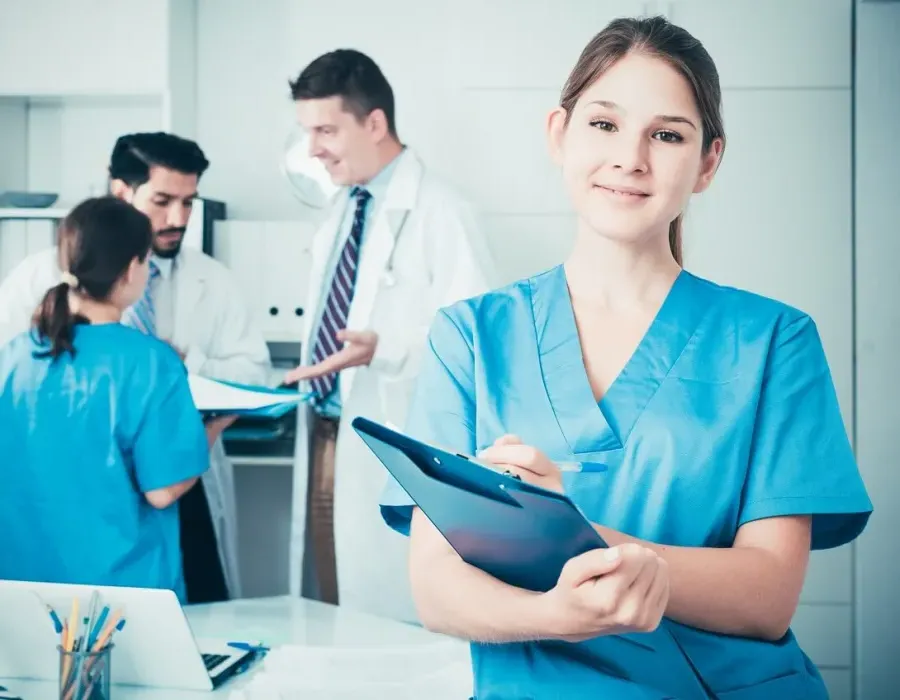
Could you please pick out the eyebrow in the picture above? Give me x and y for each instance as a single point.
(175, 196)
(662, 117)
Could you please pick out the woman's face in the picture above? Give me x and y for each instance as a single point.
(631, 154)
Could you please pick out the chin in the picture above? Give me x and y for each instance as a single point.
(619, 228)
(167, 253)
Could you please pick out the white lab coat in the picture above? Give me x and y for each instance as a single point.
(423, 250)
(211, 322)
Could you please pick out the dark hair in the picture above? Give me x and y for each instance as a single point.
(134, 155)
(654, 36)
(97, 242)
(352, 76)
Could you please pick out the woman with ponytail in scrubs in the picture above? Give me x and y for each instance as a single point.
(712, 407)
(100, 435)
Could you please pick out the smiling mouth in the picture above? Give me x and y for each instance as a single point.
(625, 193)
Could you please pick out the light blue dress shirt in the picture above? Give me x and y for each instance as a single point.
(726, 413)
(377, 187)
(82, 440)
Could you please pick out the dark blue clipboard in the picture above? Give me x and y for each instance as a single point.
(518, 533)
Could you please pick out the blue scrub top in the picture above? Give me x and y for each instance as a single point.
(726, 413)
(82, 439)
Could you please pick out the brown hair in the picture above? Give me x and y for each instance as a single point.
(654, 36)
(97, 242)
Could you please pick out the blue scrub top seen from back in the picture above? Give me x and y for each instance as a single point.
(725, 413)
(83, 439)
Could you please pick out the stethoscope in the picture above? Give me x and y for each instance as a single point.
(388, 279)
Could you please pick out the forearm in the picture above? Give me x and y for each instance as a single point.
(457, 599)
(733, 590)
(164, 497)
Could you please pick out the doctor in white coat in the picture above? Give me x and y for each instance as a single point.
(396, 245)
(195, 306)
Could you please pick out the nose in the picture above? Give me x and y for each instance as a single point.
(630, 153)
(315, 149)
(177, 215)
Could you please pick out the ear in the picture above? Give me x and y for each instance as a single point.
(121, 190)
(709, 163)
(131, 272)
(556, 132)
(377, 125)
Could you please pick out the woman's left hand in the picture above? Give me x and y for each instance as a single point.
(509, 454)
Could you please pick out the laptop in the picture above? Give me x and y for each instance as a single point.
(155, 648)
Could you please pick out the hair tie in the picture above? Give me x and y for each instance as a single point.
(69, 279)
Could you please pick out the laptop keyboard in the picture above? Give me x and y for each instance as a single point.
(213, 660)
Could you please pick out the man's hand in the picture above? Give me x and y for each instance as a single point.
(216, 426)
(358, 350)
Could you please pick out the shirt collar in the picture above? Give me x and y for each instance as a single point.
(165, 266)
(378, 185)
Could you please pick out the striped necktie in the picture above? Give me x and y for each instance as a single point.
(337, 304)
(141, 315)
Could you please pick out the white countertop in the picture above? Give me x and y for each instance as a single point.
(293, 621)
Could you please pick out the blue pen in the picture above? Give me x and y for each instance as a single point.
(245, 646)
(583, 467)
(92, 637)
(57, 623)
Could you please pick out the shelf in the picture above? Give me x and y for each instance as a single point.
(261, 461)
(46, 213)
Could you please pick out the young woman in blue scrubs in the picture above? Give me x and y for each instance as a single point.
(100, 434)
(713, 409)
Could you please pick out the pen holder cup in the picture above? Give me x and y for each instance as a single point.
(85, 675)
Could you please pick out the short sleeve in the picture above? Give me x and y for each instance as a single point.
(442, 409)
(170, 441)
(801, 461)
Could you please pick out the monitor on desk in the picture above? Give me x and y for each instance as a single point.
(154, 648)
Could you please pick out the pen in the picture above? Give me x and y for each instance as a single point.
(583, 467)
(57, 623)
(245, 646)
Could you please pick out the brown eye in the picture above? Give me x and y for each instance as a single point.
(668, 136)
(603, 125)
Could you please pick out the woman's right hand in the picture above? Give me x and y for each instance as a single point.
(609, 591)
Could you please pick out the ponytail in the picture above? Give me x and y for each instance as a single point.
(675, 241)
(55, 322)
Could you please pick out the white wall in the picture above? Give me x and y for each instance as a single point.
(877, 342)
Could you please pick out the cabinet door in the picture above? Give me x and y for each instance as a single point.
(286, 277)
(60, 47)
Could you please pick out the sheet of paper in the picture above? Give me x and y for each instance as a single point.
(210, 395)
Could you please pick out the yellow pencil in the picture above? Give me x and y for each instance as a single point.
(71, 626)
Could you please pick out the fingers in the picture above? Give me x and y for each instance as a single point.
(522, 456)
(590, 565)
(508, 440)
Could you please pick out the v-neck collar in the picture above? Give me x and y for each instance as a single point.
(589, 426)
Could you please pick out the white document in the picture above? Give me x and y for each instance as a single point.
(439, 671)
(210, 395)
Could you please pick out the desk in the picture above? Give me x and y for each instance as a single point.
(282, 620)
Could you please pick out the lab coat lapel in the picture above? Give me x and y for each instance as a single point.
(378, 246)
(190, 287)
